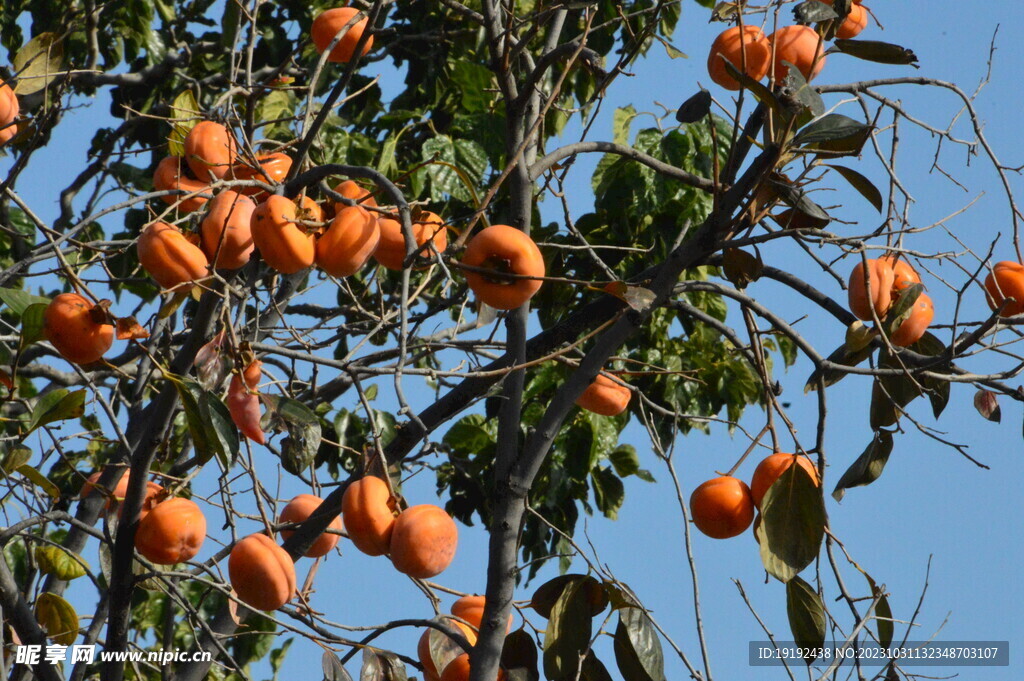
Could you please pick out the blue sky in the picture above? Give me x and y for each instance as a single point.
(930, 503)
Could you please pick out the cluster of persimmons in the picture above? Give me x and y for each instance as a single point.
(243, 212)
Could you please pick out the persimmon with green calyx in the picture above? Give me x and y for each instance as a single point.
(76, 328)
(722, 507)
(298, 510)
(801, 46)
(284, 245)
(771, 467)
(227, 231)
(503, 250)
(350, 240)
(172, 532)
(171, 258)
(369, 513)
(426, 227)
(423, 542)
(746, 49)
(605, 397)
(210, 150)
(170, 175)
(244, 402)
(261, 572)
(327, 25)
(1006, 283)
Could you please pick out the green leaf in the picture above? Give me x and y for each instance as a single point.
(37, 62)
(695, 108)
(185, 113)
(625, 460)
(883, 612)
(792, 524)
(637, 647)
(32, 324)
(862, 184)
(15, 458)
(545, 597)
(758, 89)
(936, 388)
(209, 422)
(593, 669)
(58, 618)
(873, 50)
(868, 466)
(298, 450)
(830, 128)
(621, 120)
(519, 656)
(40, 481)
(229, 22)
(332, 667)
(796, 198)
(57, 561)
(469, 435)
(812, 12)
(609, 492)
(18, 300)
(474, 85)
(803, 92)
(840, 355)
(56, 405)
(568, 633)
(277, 656)
(806, 616)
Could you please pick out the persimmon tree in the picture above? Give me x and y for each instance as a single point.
(653, 290)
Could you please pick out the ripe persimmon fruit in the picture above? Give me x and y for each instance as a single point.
(471, 609)
(771, 467)
(172, 532)
(423, 542)
(283, 244)
(426, 227)
(746, 49)
(800, 46)
(879, 278)
(1006, 281)
(210, 150)
(913, 327)
(244, 402)
(261, 572)
(169, 175)
(226, 230)
(327, 25)
(117, 495)
(503, 250)
(904, 274)
(350, 240)
(9, 110)
(169, 257)
(423, 647)
(70, 324)
(458, 670)
(350, 189)
(273, 169)
(297, 511)
(368, 510)
(605, 397)
(722, 507)
(855, 22)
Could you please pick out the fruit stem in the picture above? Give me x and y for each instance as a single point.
(753, 444)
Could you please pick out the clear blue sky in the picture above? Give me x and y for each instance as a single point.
(930, 502)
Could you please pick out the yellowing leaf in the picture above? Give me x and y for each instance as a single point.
(38, 63)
